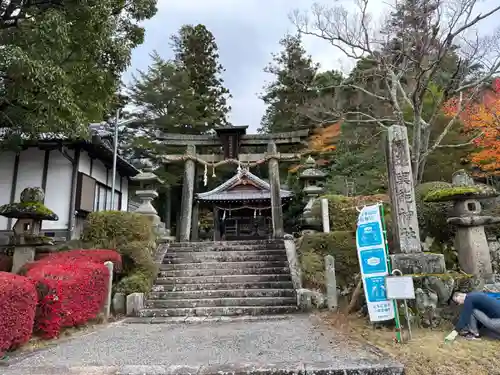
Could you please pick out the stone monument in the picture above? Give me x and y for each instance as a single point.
(29, 212)
(313, 179)
(470, 238)
(410, 258)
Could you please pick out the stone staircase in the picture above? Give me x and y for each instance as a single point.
(222, 279)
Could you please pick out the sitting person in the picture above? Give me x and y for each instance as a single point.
(479, 311)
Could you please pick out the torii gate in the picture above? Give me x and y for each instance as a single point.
(231, 140)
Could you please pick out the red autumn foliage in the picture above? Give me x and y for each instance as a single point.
(72, 256)
(481, 119)
(18, 298)
(69, 294)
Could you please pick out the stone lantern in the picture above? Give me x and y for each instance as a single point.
(313, 180)
(148, 190)
(29, 212)
(470, 238)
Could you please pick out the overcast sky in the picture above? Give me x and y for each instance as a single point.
(247, 33)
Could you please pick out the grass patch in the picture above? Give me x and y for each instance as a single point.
(427, 353)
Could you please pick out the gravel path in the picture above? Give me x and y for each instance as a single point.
(299, 339)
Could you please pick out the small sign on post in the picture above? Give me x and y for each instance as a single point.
(399, 287)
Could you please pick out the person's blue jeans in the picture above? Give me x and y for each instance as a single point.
(480, 323)
(477, 301)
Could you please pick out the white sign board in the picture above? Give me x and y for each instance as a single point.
(370, 243)
(400, 287)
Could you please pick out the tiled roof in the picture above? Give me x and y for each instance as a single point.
(222, 192)
(100, 142)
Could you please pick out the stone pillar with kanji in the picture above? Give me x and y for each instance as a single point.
(408, 257)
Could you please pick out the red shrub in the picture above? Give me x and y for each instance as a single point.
(92, 255)
(18, 299)
(5, 263)
(69, 294)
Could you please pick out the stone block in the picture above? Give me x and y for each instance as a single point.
(304, 299)
(318, 299)
(22, 255)
(119, 304)
(418, 263)
(331, 283)
(135, 303)
(293, 262)
(107, 306)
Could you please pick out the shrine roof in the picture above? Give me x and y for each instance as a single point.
(226, 191)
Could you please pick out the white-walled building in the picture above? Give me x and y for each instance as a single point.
(75, 175)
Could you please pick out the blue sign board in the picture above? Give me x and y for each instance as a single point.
(373, 261)
(369, 234)
(375, 289)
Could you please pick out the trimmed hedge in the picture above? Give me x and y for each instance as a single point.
(91, 255)
(18, 299)
(113, 229)
(432, 216)
(341, 245)
(342, 209)
(132, 236)
(69, 294)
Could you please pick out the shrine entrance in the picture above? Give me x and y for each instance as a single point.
(231, 145)
(242, 207)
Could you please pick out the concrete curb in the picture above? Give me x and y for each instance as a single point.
(226, 369)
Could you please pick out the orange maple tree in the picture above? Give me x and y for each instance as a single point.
(481, 120)
(321, 143)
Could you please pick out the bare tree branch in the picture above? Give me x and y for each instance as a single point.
(408, 60)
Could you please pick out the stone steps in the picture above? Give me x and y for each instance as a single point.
(207, 279)
(222, 302)
(219, 265)
(218, 311)
(222, 279)
(222, 293)
(226, 256)
(223, 286)
(223, 248)
(176, 245)
(224, 272)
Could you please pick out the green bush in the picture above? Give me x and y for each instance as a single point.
(115, 228)
(432, 216)
(341, 245)
(343, 213)
(136, 282)
(132, 236)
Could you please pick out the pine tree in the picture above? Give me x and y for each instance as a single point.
(292, 89)
(196, 53)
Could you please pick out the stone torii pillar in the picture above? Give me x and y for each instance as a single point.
(274, 181)
(187, 196)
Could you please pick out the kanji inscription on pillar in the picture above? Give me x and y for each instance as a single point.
(401, 190)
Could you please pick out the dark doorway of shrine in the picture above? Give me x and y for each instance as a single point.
(245, 224)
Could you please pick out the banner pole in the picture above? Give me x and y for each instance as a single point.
(389, 268)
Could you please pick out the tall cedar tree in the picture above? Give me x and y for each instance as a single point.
(196, 53)
(164, 103)
(60, 69)
(287, 97)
